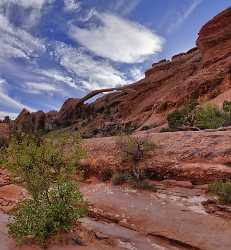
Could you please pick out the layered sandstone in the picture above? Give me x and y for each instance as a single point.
(203, 73)
(200, 157)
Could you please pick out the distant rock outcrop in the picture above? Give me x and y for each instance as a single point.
(203, 74)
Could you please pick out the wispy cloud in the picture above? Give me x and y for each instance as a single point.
(3, 114)
(174, 18)
(8, 102)
(118, 39)
(72, 5)
(16, 42)
(30, 11)
(136, 74)
(25, 3)
(92, 74)
(124, 7)
(40, 88)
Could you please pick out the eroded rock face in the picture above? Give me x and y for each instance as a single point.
(4, 129)
(200, 157)
(203, 73)
(215, 38)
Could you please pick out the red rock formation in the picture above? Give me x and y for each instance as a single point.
(202, 73)
(200, 157)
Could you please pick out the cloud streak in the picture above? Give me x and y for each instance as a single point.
(16, 42)
(8, 102)
(181, 15)
(91, 73)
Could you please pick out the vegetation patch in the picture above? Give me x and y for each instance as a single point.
(206, 116)
(118, 178)
(3, 142)
(46, 168)
(222, 190)
(106, 175)
(182, 117)
(209, 116)
(133, 150)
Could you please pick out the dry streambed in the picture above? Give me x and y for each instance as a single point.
(172, 218)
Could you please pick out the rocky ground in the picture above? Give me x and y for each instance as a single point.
(200, 157)
(123, 218)
(179, 215)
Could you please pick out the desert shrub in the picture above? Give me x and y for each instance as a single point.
(222, 189)
(184, 116)
(134, 149)
(227, 112)
(119, 178)
(43, 217)
(84, 171)
(3, 142)
(209, 116)
(227, 106)
(45, 168)
(175, 119)
(106, 174)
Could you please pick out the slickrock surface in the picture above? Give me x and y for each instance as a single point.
(200, 157)
(178, 220)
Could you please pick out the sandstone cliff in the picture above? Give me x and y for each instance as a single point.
(203, 73)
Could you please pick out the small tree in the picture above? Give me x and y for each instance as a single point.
(134, 149)
(45, 167)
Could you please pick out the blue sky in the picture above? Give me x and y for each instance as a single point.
(54, 49)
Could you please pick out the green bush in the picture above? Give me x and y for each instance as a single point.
(223, 190)
(185, 116)
(3, 142)
(209, 116)
(106, 175)
(48, 215)
(176, 119)
(118, 179)
(45, 167)
(227, 106)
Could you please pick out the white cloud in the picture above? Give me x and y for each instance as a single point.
(10, 103)
(57, 76)
(39, 88)
(2, 84)
(93, 74)
(72, 5)
(3, 114)
(118, 39)
(7, 101)
(29, 11)
(16, 42)
(136, 74)
(25, 3)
